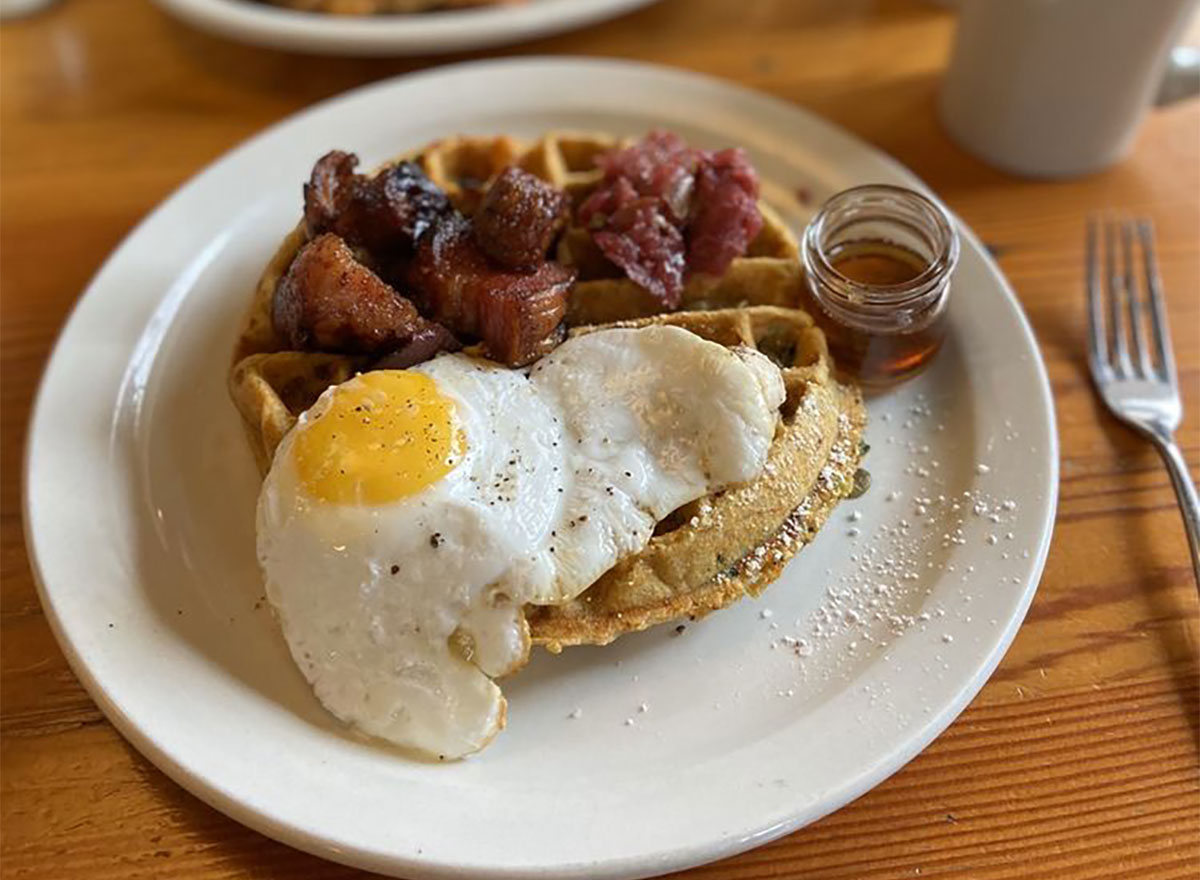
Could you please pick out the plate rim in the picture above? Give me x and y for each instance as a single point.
(619, 866)
(398, 35)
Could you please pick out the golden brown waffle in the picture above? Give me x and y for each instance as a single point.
(463, 166)
(717, 549)
(706, 555)
(720, 548)
(271, 389)
(709, 553)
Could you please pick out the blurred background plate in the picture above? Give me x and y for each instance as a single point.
(424, 33)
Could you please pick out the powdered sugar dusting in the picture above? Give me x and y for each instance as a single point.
(895, 549)
(899, 577)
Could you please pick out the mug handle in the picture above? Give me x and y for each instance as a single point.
(1181, 79)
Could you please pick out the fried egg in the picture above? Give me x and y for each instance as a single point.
(410, 515)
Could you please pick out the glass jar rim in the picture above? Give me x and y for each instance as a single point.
(942, 264)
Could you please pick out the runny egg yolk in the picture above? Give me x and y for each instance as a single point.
(385, 435)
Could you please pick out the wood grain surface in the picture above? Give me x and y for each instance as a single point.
(1078, 759)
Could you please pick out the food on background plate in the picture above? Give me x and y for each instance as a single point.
(380, 7)
(429, 513)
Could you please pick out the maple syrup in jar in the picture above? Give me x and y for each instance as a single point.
(878, 261)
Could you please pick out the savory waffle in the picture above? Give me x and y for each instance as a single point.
(710, 553)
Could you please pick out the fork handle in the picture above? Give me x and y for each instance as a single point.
(1185, 490)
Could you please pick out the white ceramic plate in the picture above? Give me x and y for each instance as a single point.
(140, 497)
(400, 34)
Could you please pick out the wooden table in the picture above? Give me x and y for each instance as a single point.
(1077, 760)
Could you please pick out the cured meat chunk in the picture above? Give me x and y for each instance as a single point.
(665, 211)
(726, 216)
(423, 345)
(643, 242)
(661, 165)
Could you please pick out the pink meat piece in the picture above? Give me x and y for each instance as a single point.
(726, 216)
(637, 213)
(666, 210)
(661, 165)
(643, 242)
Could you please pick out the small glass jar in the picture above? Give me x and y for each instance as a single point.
(878, 260)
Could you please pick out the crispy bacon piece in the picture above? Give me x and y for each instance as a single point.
(487, 278)
(329, 191)
(425, 343)
(512, 312)
(519, 219)
(385, 214)
(328, 301)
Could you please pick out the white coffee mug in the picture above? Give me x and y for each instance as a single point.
(1055, 88)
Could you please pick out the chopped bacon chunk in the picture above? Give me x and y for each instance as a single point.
(661, 165)
(486, 279)
(329, 192)
(639, 239)
(636, 233)
(726, 217)
(512, 312)
(519, 219)
(665, 211)
(423, 345)
(328, 301)
(385, 214)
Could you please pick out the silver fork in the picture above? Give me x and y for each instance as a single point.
(1130, 356)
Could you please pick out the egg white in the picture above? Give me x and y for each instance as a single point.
(369, 597)
(400, 614)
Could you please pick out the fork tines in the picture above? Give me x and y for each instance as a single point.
(1121, 345)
